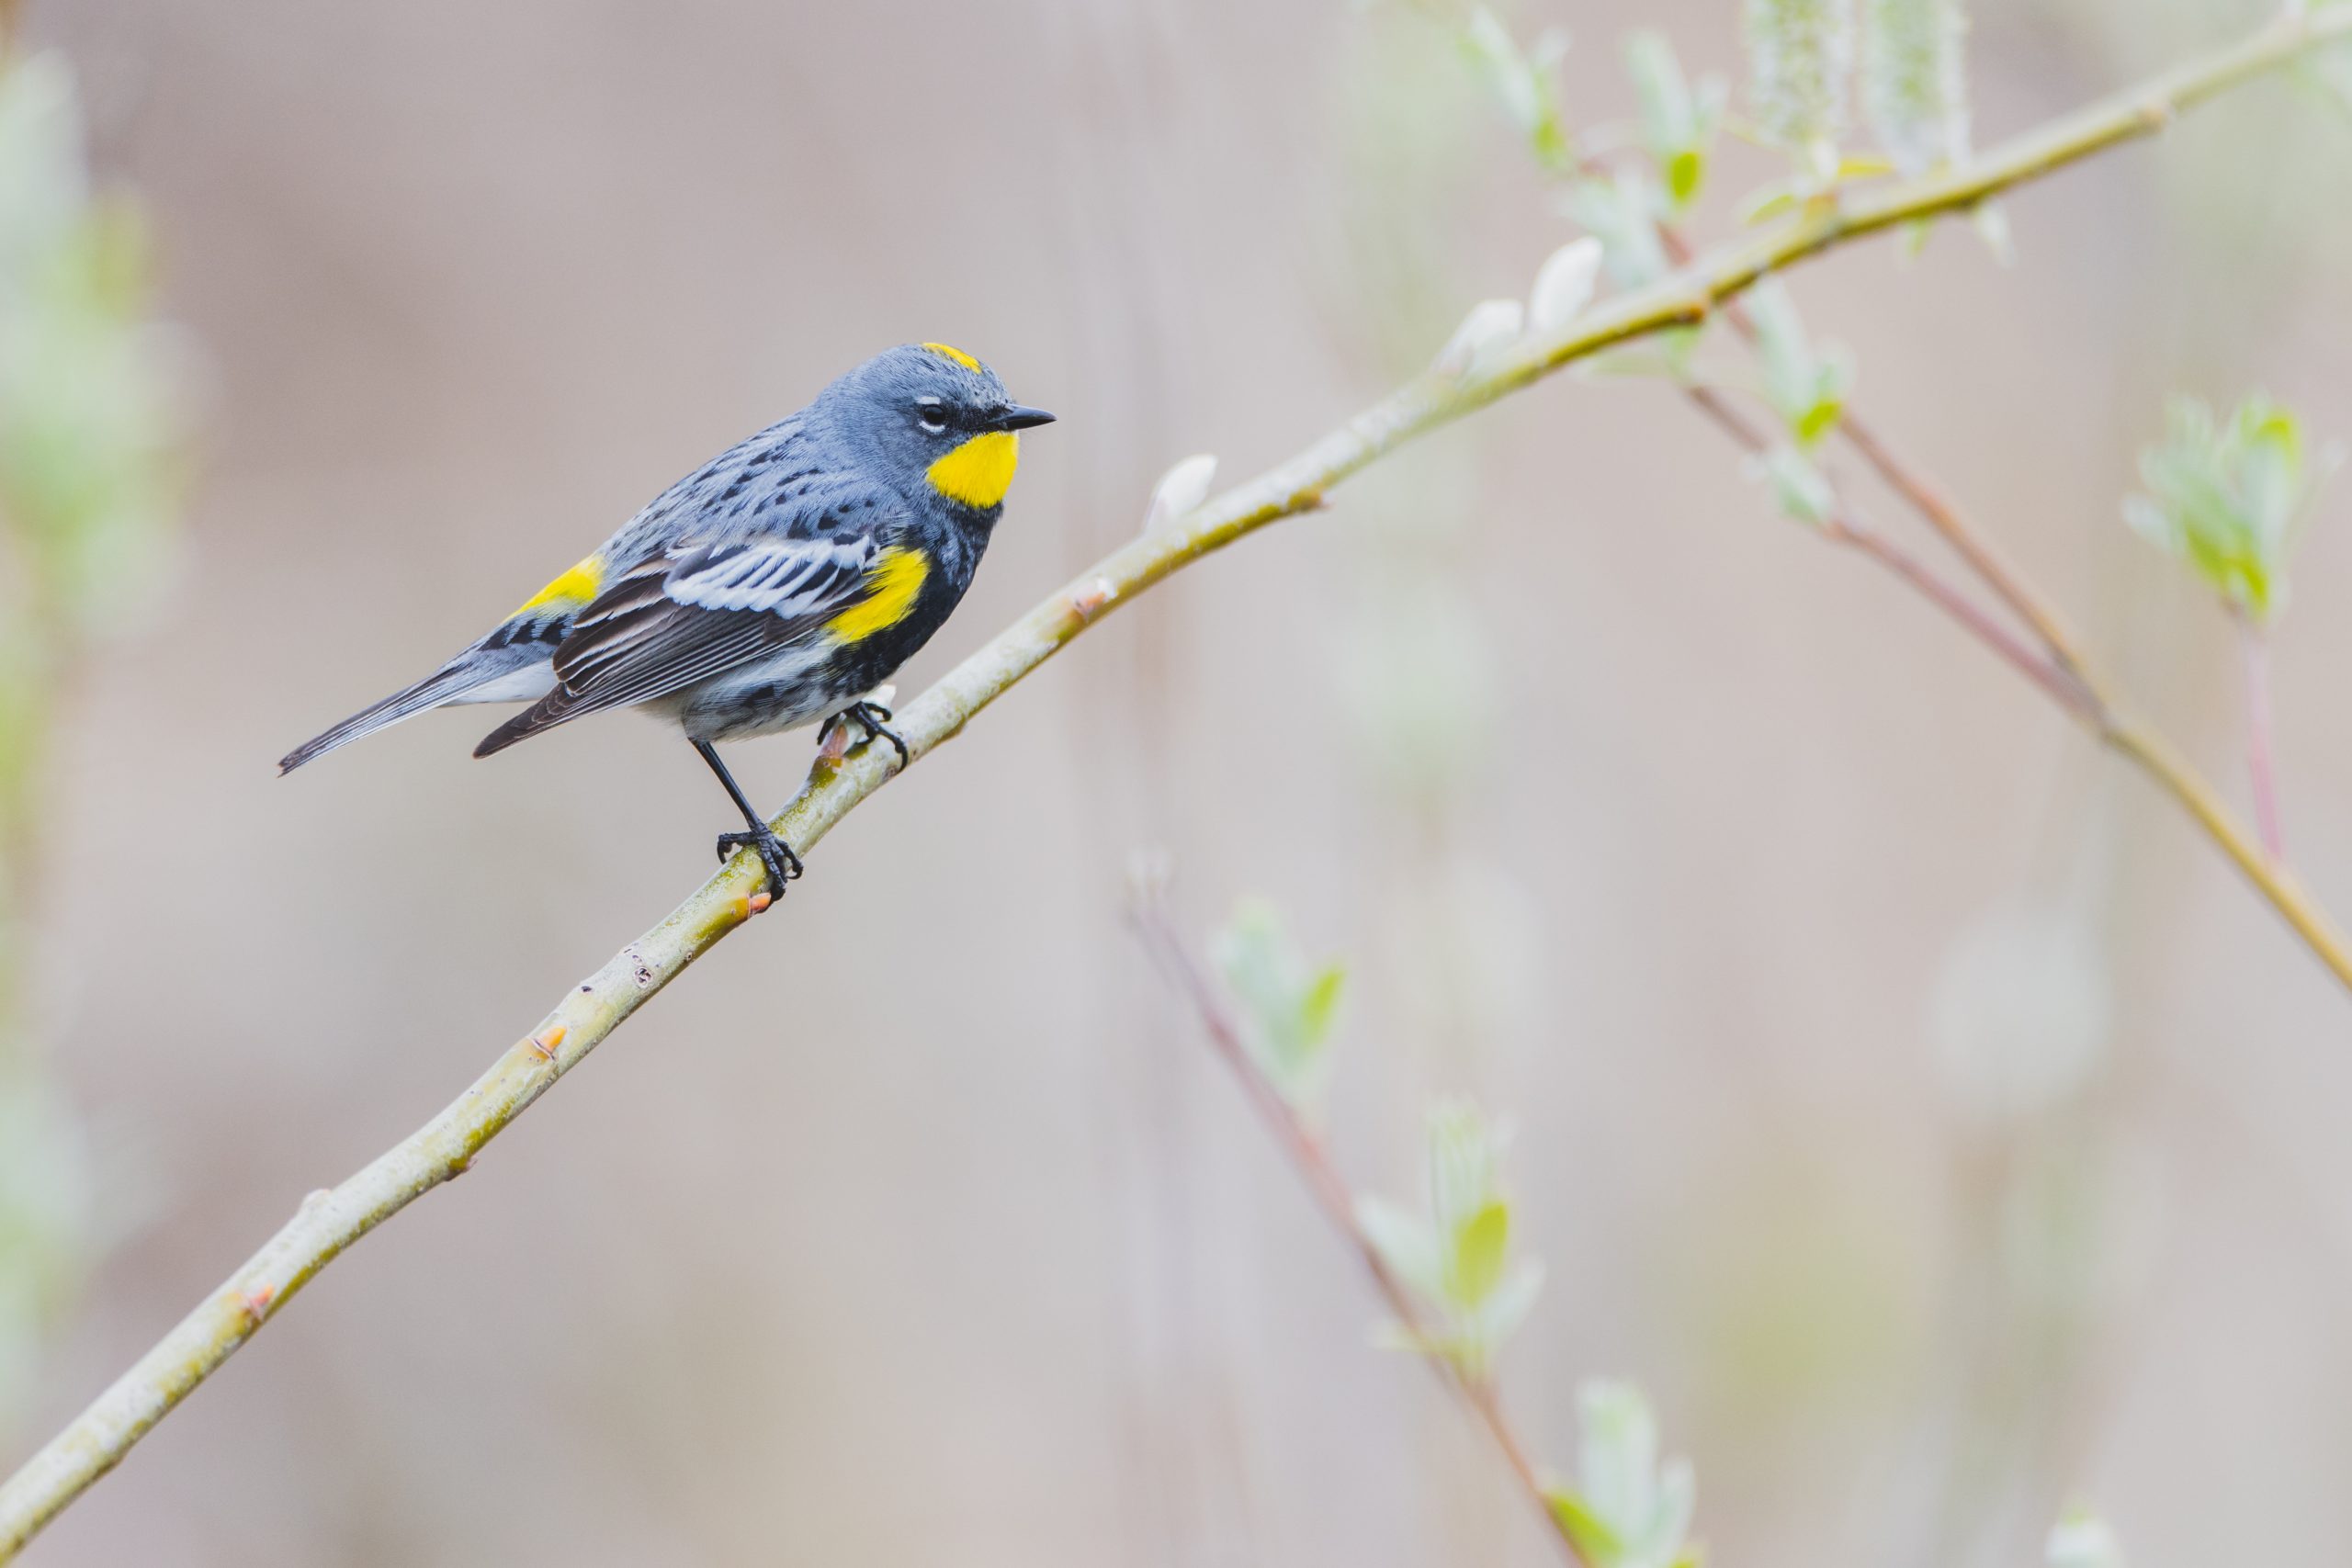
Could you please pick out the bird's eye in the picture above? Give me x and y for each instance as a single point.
(931, 415)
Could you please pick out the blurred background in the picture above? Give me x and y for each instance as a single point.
(1904, 1095)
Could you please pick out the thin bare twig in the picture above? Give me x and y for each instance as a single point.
(1330, 1189)
(2254, 642)
(1845, 527)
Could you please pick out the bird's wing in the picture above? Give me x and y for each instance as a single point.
(688, 614)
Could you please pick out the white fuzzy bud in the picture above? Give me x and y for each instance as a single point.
(1179, 490)
(1801, 60)
(1491, 324)
(1564, 286)
(1915, 81)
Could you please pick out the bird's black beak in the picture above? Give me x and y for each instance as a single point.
(1019, 418)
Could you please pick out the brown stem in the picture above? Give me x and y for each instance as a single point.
(1846, 528)
(2256, 644)
(2083, 699)
(1331, 1194)
(1926, 498)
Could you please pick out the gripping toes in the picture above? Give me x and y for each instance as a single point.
(875, 720)
(776, 855)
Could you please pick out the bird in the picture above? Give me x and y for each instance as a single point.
(779, 585)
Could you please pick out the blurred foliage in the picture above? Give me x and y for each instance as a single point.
(1679, 121)
(1800, 64)
(2084, 1540)
(1626, 1510)
(89, 475)
(1455, 1255)
(2231, 497)
(1288, 1006)
(1915, 81)
(2023, 1011)
(1526, 83)
(1805, 386)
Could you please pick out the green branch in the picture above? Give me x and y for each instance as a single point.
(330, 1221)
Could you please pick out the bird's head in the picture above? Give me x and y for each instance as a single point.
(937, 418)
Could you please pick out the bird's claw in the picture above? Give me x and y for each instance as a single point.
(875, 720)
(776, 855)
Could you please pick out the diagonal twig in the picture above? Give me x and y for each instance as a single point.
(1312, 1160)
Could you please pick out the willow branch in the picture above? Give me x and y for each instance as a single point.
(331, 1220)
(1312, 1160)
(2078, 692)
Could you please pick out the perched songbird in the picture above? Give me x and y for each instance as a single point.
(778, 583)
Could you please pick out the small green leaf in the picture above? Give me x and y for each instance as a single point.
(1320, 1009)
(1456, 1258)
(1806, 387)
(1627, 1510)
(1287, 1008)
(1770, 200)
(1479, 1248)
(1595, 1542)
(1679, 123)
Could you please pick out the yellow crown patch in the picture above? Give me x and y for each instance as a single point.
(957, 355)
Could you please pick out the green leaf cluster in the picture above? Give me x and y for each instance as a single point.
(88, 484)
(2231, 497)
(1526, 82)
(1455, 1254)
(1288, 1006)
(88, 428)
(1626, 1509)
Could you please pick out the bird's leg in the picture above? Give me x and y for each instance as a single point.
(875, 720)
(776, 855)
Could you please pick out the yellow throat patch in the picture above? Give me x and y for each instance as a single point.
(574, 588)
(893, 582)
(978, 472)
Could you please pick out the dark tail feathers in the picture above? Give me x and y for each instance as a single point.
(450, 680)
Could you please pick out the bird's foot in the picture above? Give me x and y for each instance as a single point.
(875, 720)
(776, 855)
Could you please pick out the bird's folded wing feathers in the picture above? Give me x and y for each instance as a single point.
(685, 616)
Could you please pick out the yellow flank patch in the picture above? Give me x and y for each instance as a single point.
(957, 355)
(978, 472)
(574, 588)
(892, 584)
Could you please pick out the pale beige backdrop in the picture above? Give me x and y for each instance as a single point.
(915, 1225)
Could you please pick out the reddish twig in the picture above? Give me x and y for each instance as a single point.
(1330, 1189)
